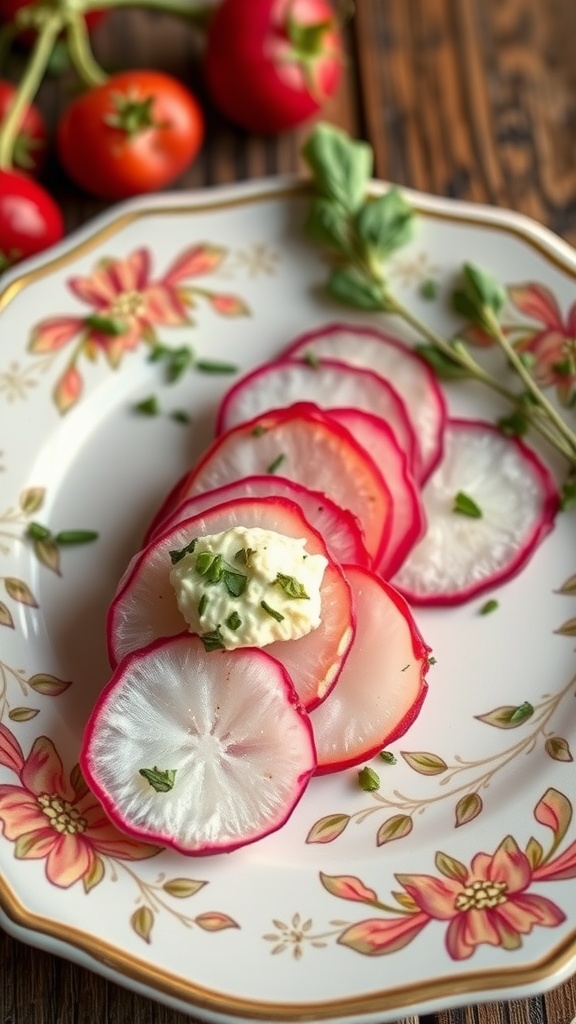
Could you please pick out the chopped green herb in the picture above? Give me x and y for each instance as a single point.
(234, 621)
(148, 406)
(489, 606)
(514, 425)
(258, 430)
(234, 581)
(158, 353)
(210, 366)
(215, 570)
(178, 363)
(387, 756)
(431, 660)
(161, 781)
(368, 779)
(429, 289)
(244, 555)
(276, 463)
(176, 556)
(291, 586)
(75, 537)
(312, 359)
(272, 611)
(202, 604)
(522, 712)
(213, 641)
(107, 324)
(180, 416)
(466, 506)
(38, 532)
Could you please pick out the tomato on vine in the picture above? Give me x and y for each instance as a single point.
(31, 141)
(30, 220)
(271, 64)
(135, 133)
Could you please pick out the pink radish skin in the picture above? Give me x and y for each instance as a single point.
(398, 364)
(407, 513)
(330, 384)
(340, 530)
(382, 686)
(144, 606)
(460, 557)
(315, 451)
(231, 725)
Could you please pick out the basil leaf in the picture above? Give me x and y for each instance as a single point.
(353, 288)
(483, 288)
(327, 224)
(385, 224)
(341, 167)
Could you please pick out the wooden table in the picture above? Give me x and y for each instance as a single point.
(474, 99)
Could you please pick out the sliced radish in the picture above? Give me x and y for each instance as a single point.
(305, 445)
(145, 607)
(340, 529)
(394, 360)
(328, 384)
(382, 684)
(228, 724)
(407, 513)
(462, 555)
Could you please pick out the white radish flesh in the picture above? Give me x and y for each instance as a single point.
(382, 685)
(328, 385)
(397, 363)
(145, 608)
(460, 555)
(228, 723)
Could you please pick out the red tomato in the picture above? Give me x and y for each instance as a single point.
(30, 220)
(31, 141)
(136, 133)
(271, 64)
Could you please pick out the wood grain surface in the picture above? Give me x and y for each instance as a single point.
(474, 99)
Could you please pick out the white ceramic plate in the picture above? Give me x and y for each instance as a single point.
(365, 905)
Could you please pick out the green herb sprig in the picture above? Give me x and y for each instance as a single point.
(64, 538)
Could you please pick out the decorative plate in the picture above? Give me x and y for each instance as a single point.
(451, 884)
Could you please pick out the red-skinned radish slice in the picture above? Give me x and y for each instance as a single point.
(470, 548)
(303, 444)
(145, 607)
(340, 530)
(397, 363)
(329, 384)
(227, 723)
(382, 685)
(407, 513)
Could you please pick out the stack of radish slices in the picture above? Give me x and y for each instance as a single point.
(343, 442)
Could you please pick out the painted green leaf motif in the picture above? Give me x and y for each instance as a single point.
(19, 591)
(468, 808)
(558, 749)
(569, 586)
(48, 685)
(567, 629)
(554, 811)
(406, 901)
(450, 867)
(142, 921)
(397, 827)
(94, 875)
(31, 499)
(425, 763)
(48, 554)
(327, 829)
(534, 852)
(215, 922)
(181, 888)
(5, 616)
(508, 716)
(78, 782)
(22, 714)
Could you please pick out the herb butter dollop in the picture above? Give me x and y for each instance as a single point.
(248, 587)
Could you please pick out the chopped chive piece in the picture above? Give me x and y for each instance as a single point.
(38, 532)
(178, 363)
(175, 556)
(148, 406)
(276, 463)
(490, 606)
(75, 536)
(180, 416)
(213, 641)
(244, 555)
(234, 621)
(211, 366)
(159, 352)
(291, 586)
(312, 359)
(387, 756)
(466, 506)
(202, 604)
(271, 611)
(368, 779)
(429, 289)
(107, 324)
(258, 430)
(161, 781)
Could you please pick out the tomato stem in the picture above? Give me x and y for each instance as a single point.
(29, 84)
(81, 53)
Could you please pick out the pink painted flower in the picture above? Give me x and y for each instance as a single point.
(553, 345)
(52, 818)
